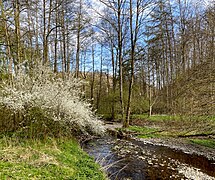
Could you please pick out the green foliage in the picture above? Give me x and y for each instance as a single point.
(33, 123)
(3, 73)
(139, 105)
(106, 103)
(50, 159)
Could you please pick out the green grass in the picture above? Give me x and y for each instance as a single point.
(143, 117)
(145, 136)
(154, 117)
(142, 129)
(144, 132)
(159, 117)
(164, 117)
(50, 159)
(204, 142)
(171, 125)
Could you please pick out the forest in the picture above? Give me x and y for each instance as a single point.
(64, 63)
(137, 57)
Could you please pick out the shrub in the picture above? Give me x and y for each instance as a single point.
(38, 101)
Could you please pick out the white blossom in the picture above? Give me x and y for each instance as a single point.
(58, 98)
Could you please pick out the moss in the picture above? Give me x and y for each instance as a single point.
(51, 159)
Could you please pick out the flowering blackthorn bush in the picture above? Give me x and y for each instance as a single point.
(40, 102)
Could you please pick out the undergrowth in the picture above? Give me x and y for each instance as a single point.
(38, 103)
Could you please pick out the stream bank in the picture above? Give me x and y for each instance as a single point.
(139, 159)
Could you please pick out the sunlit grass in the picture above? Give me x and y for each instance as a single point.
(165, 117)
(145, 132)
(145, 136)
(204, 142)
(142, 129)
(50, 159)
(156, 117)
(160, 117)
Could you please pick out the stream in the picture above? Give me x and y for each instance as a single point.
(137, 160)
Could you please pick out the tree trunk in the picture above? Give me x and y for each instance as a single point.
(93, 77)
(78, 41)
(120, 58)
(17, 31)
(6, 33)
(114, 83)
(100, 81)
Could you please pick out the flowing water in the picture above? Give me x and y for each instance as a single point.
(136, 160)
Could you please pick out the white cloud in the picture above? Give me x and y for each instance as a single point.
(96, 10)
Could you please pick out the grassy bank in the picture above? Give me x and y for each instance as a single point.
(46, 159)
(194, 129)
(204, 142)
